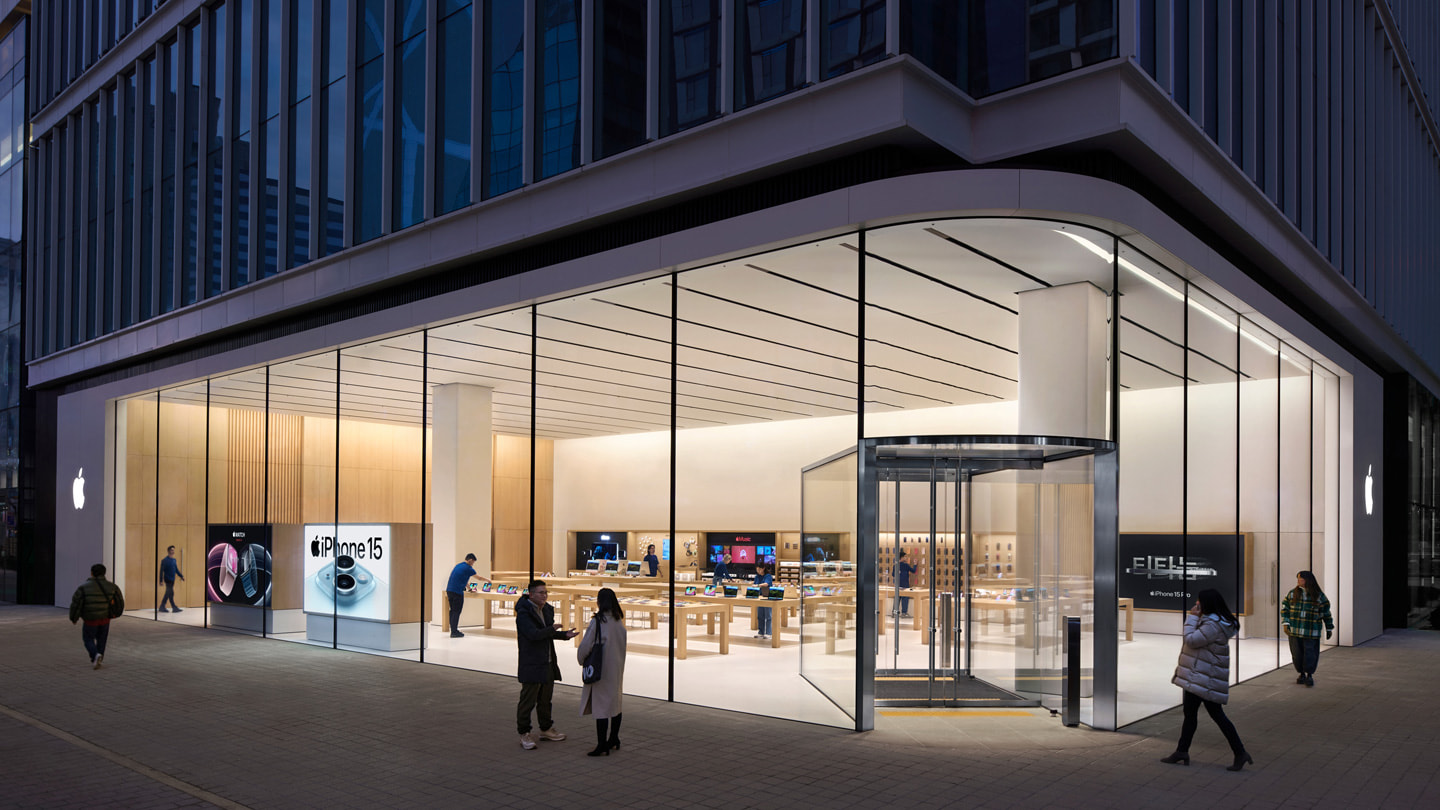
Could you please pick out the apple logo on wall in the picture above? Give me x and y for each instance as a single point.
(77, 489)
(1369, 491)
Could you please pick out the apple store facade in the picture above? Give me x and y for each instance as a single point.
(1045, 394)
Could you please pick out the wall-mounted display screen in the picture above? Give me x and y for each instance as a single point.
(819, 547)
(744, 548)
(765, 554)
(347, 570)
(599, 546)
(1166, 571)
(238, 564)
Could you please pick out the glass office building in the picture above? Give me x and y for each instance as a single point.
(331, 294)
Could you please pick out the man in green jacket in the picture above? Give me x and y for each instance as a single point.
(96, 602)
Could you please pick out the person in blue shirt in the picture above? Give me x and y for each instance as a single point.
(169, 569)
(652, 561)
(722, 570)
(903, 570)
(455, 591)
(763, 578)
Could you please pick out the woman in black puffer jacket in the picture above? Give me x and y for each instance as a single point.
(1204, 674)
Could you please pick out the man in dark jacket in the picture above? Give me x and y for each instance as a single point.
(536, 631)
(96, 601)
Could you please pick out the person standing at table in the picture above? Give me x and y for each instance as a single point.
(602, 699)
(455, 591)
(1305, 608)
(169, 569)
(722, 569)
(763, 578)
(652, 561)
(903, 570)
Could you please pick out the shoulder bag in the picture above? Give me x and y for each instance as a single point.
(594, 662)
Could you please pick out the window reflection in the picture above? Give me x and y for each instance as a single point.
(689, 63)
(504, 94)
(620, 57)
(453, 77)
(557, 85)
(770, 49)
(854, 35)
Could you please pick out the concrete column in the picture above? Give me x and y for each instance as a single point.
(460, 480)
(1063, 341)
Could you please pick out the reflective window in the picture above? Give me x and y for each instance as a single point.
(330, 199)
(301, 44)
(557, 87)
(190, 140)
(112, 174)
(369, 122)
(769, 49)
(619, 80)
(169, 95)
(453, 105)
(409, 163)
(504, 95)
(689, 63)
(128, 180)
(854, 35)
(241, 140)
(272, 43)
(93, 208)
(215, 78)
(146, 211)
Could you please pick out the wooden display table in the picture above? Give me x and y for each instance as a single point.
(682, 611)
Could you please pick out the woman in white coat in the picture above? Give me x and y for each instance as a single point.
(1204, 674)
(602, 699)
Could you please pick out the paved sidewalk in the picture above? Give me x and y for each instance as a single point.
(180, 717)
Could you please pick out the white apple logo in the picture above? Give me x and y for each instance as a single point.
(78, 489)
(1369, 491)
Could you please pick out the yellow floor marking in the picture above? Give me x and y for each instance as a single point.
(962, 712)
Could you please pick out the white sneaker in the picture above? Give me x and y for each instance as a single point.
(553, 734)
(99, 658)
(527, 741)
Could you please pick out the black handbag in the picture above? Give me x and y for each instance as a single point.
(592, 670)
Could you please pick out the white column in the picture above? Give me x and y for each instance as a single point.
(1063, 341)
(461, 479)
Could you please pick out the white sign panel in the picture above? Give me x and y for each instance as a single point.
(347, 570)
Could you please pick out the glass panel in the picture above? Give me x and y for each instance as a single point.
(1259, 484)
(452, 186)
(769, 49)
(216, 76)
(689, 63)
(854, 35)
(504, 95)
(145, 272)
(409, 202)
(181, 517)
(191, 210)
(1324, 487)
(1151, 448)
(240, 144)
(557, 87)
(136, 564)
(619, 82)
(1296, 552)
(127, 181)
(302, 494)
(829, 510)
(375, 569)
(603, 394)
(330, 201)
(369, 124)
(474, 366)
(169, 96)
(766, 381)
(235, 570)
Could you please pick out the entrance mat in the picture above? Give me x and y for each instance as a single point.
(915, 689)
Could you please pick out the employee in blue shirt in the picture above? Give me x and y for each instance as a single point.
(903, 570)
(764, 579)
(652, 561)
(169, 569)
(722, 571)
(455, 591)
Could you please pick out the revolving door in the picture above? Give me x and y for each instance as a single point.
(971, 552)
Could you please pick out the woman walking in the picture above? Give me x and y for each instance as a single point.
(1204, 674)
(1305, 608)
(602, 698)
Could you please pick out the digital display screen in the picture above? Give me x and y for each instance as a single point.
(765, 554)
(742, 555)
(347, 570)
(237, 564)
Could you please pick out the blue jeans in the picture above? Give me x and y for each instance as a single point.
(765, 621)
(94, 638)
(904, 604)
(1305, 654)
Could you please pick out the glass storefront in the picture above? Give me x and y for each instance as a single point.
(714, 414)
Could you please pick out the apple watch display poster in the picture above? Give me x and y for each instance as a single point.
(238, 564)
(1166, 571)
(347, 570)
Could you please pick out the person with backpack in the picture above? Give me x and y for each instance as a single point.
(96, 602)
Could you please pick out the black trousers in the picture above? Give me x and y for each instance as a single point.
(457, 601)
(1191, 707)
(94, 638)
(1305, 653)
(534, 697)
(169, 596)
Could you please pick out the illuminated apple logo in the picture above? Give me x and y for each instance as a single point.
(77, 489)
(1369, 491)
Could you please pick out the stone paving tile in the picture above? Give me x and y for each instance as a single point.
(263, 723)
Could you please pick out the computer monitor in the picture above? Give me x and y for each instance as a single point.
(593, 565)
(732, 590)
(612, 566)
(752, 592)
(632, 567)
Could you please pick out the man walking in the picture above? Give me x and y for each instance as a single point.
(536, 632)
(169, 569)
(96, 601)
(455, 591)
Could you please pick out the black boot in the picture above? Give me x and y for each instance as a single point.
(602, 747)
(1241, 760)
(614, 741)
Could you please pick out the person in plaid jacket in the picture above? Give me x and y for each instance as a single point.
(1305, 609)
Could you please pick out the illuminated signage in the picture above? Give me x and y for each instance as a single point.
(347, 570)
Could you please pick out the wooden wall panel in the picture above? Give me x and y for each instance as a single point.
(286, 451)
(245, 487)
(510, 490)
